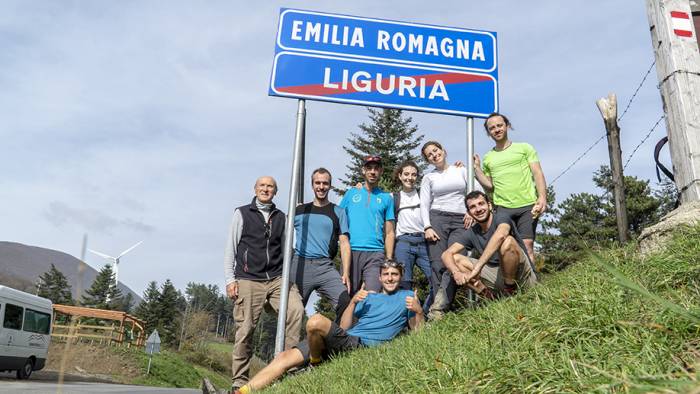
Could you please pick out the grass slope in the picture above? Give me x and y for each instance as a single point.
(579, 331)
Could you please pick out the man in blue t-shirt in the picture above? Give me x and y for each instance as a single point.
(503, 264)
(381, 316)
(320, 227)
(370, 213)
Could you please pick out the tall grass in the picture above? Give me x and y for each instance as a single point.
(630, 327)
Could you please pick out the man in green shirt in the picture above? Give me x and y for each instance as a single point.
(512, 172)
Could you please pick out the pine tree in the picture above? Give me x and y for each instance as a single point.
(168, 313)
(103, 293)
(54, 286)
(124, 303)
(147, 310)
(390, 135)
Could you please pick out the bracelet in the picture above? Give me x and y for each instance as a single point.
(428, 228)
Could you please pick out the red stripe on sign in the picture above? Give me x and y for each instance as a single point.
(683, 33)
(320, 90)
(679, 14)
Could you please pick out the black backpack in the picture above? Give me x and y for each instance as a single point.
(397, 204)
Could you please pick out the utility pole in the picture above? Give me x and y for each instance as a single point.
(675, 44)
(608, 108)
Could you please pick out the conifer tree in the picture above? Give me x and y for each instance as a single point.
(147, 310)
(168, 313)
(54, 286)
(124, 303)
(103, 294)
(390, 135)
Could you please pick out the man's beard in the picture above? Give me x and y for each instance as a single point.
(486, 219)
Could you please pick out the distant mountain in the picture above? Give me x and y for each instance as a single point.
(21, 265)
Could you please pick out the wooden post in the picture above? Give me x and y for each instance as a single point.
(608, 108)
(673, 38)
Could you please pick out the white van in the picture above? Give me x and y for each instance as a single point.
(25, 332)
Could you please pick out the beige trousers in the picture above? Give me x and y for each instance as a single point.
(252, 297)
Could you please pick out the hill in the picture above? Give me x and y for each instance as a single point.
(581, 330)
(21, 265)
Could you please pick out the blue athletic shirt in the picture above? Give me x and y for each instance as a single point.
(366, 216)
(317, 230)
(381, 317)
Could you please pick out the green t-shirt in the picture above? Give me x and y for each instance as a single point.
(509, 169)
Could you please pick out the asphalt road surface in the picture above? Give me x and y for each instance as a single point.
(28, 386)
(42, 382)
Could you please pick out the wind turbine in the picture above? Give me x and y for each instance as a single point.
(115, 260)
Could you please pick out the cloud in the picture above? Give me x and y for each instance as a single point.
(60, 214)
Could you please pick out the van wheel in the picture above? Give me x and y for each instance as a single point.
(26, 370)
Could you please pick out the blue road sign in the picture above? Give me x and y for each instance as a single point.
(375, 62)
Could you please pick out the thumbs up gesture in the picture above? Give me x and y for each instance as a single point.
(413, 303)
(360, 295)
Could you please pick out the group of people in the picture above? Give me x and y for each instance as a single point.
(381, 236)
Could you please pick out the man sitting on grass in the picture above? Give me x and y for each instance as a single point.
(503, 265)
(381, 316)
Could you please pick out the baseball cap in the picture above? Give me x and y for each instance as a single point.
(373, 159)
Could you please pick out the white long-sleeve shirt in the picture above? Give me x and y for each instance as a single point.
(443, 191)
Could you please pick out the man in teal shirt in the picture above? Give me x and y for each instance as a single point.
(370, 212)
(380, 317)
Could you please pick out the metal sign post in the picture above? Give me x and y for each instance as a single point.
(470, 154)
(152, 346)
(289, 228)
(470, 177)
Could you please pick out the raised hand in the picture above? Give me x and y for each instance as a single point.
(360, 295)
(413, 303)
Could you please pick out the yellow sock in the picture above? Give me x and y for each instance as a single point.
(244, 390)
(314, 360)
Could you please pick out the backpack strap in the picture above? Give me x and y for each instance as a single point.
(397, 203)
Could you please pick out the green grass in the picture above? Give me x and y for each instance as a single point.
(221, 347)
(171, 369)
(582, 330)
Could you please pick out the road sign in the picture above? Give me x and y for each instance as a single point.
(153, 343)
(366, 61)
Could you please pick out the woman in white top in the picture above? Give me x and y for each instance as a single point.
(411, 247)
(443, 213)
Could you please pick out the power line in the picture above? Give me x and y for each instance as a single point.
(629, 103)
(643, 141)
(636, 91)
(577, 159)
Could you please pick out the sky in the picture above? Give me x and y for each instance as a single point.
(134, 120)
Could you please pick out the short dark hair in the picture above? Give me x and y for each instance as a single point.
(427, 144)
(476, 194)
(391, 263)
(321, 170)
(493, 115)
(399, 169)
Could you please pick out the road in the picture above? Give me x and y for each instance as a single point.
(37, 387)
(45, 382)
